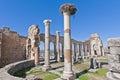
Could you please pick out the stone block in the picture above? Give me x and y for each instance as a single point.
(115, 67)
(46, 67)
(109, 76)
(116, 75)
(113, 58)
(113, 42)
(114, 50)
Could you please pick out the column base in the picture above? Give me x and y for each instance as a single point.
(68, 75)
(46, 67)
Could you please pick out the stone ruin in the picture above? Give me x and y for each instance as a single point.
(32, 51)
(93, 63)
(32, 44)
(96, 45)
(114, 59)
(22, 45)
(12, 47)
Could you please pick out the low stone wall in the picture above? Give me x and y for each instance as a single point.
(6, 73)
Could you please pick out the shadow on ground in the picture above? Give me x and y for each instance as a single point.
(81, 73)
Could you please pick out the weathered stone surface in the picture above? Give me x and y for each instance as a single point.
(115, 50)
(68, 73)
(93, 63)
(96, 45)
(115, 67)
(32, 44)
(113, 58)
(47, 45)
(7, 72)
(12, 48)
(113, 42)
(116, 75)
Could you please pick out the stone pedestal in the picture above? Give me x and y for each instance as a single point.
(114, 59)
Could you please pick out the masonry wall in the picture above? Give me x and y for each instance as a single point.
(12, 47)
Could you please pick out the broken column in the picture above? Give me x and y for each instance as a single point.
(67, 10)
(114, 59)
(47, 45)
(58, 45)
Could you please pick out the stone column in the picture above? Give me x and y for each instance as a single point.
(114, 59)
(62, 51)
(85, 46)
(47, 45)
(55, 53)
(79, 50)
(82, 50)
(75, 47)
(103, 54)
(77, 53)
(58, 45)
(67, 10)
(36, 50)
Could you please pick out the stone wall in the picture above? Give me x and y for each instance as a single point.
(6, 73)
(12, 48)
(114, 59)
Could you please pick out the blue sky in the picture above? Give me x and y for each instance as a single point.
(92, 16)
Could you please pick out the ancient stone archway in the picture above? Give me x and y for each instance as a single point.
(96, 45)
(32, 44)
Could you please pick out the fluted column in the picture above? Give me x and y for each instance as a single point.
(47, 45)
(58, 45)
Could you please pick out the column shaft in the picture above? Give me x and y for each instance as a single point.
(55, 54)
(67, 46)
(36, 50)
(47, 45)
(58, 45)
